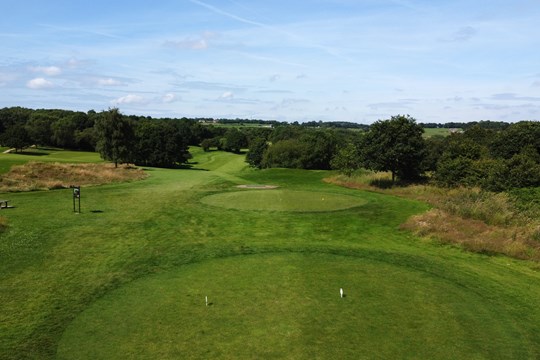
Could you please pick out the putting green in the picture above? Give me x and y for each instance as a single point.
(289, 306)
(283, 200)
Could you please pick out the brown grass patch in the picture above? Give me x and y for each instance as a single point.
(479, 221)
(48, 176)
(474, 235)
(3, 224)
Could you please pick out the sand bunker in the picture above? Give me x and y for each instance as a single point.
(258, 187)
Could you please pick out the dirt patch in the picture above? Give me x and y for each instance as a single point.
(257, 186)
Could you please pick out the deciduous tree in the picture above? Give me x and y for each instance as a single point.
(394, 145)
(115, 137)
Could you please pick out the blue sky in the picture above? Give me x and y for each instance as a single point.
(350, 60)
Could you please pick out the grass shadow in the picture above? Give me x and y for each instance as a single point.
(189, 167)
(389, 184)
(382, 183)
(32, 153)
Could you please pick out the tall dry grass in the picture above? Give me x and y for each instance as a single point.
(479, 221)
(48, 176)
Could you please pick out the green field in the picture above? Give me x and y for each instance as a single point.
(127, 278)
(429, 132)
(49, 155)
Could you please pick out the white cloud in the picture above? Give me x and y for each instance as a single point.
(47, 70)
(169, 98)
(227, 95)
(129, 99)
(109, 82)
(39, 83)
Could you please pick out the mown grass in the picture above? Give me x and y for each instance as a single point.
(130, 272)
(46, 155)
(282, 200)
(286, 306)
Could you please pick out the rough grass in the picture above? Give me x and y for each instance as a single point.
(479, 221)
(3, 224)
(476, 235)
(48, 176)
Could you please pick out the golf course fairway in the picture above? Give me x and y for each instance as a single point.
(130, 276)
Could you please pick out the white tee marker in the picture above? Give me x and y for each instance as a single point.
(341, 292)
(206, 300)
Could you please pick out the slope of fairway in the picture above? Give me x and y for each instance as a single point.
(131, 271)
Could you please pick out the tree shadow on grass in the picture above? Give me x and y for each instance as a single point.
(32, 153)
(388, 183)
(175, 167)
(383, 183)
(190, 166)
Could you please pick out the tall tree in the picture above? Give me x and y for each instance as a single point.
(346, 160)
(39, 128)
(234, 140)
(322, 145)
(160, 143)
(16, 137)
(63, 132)
(115, 137)
(256, 152)
(394, 145)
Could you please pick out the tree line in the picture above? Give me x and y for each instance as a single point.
(493, 155)
(117, 137)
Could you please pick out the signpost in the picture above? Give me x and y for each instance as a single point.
(76, 198)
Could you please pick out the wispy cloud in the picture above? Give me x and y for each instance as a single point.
(514, 97)
(109, 82)
(228, 14)
(391, 105)
(193, 43)
(81, 29)
(130, 99)
(274, 77)
(207, 85)
(47, 70)
(463, 34)
(169, 98)
(298, 39)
